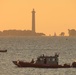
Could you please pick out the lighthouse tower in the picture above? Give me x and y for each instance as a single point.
(33, 21)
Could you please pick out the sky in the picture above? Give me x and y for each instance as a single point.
(51, 15)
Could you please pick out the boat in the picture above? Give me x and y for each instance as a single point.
(42, 61)
(3, 50)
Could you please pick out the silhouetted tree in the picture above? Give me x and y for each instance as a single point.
(72, 32)
(62, 34)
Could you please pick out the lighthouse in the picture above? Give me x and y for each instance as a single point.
(33, 21)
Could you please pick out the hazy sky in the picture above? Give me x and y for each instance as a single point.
(51, 15)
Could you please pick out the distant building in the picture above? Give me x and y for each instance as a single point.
(33, 21)
(72, 32)
(23, 32)
(55, 34)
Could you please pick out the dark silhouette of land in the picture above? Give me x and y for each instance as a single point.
(23, 32)
(19, 33)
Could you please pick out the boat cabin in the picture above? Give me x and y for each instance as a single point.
(49, 60)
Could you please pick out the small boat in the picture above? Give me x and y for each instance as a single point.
(42, 62)
(3, 50)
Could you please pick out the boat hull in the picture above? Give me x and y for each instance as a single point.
(3, 50)
(35, 65)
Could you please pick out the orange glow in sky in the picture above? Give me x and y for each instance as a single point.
(51, 15)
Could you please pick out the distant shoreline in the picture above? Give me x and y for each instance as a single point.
(20, 33)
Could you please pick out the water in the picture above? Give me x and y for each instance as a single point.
(26, 48)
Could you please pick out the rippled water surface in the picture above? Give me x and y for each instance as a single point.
(26, 48)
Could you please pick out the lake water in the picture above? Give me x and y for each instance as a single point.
(26, 48)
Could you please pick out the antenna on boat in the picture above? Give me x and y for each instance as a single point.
(57, 54)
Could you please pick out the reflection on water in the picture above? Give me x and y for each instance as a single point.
(26, 48)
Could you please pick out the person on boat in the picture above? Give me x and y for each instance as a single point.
(45, 61)
(17, 61)
(32, 61)
(43, 55)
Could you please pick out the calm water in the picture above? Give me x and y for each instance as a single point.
(26, 48)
